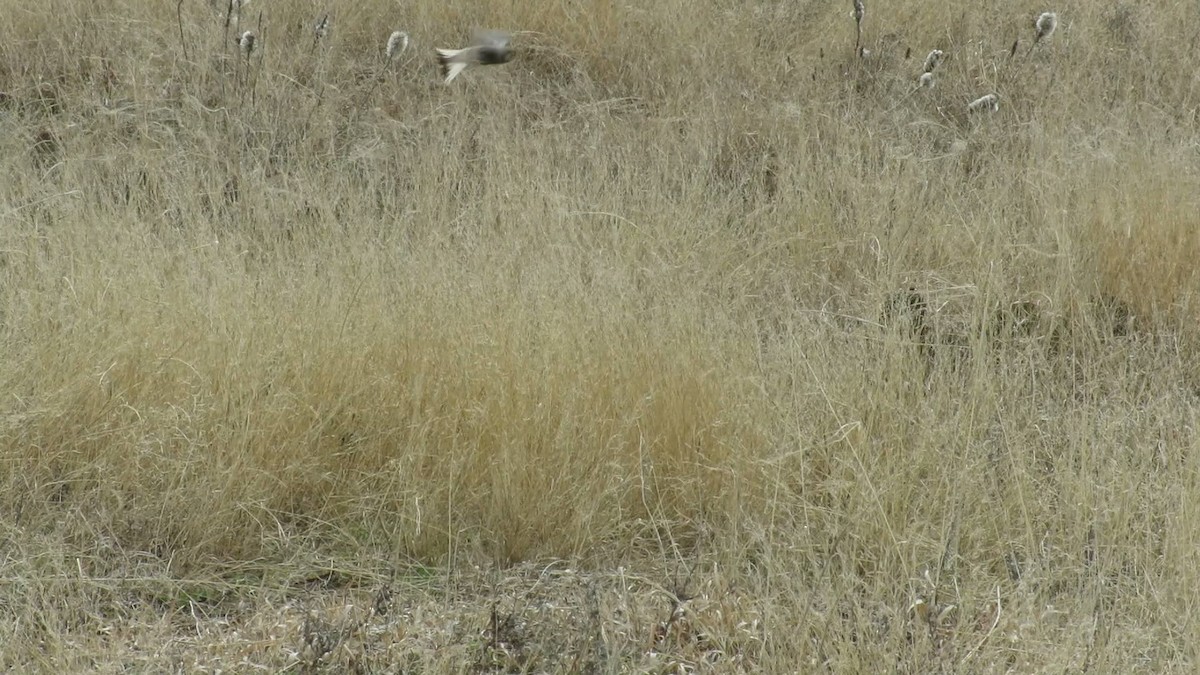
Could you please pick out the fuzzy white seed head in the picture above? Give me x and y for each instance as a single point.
(932, 61)
(988, 103)
(1045, 25)
(860, 10)
(321, 29)
(247, 42)
(926, 80)
(396, 44)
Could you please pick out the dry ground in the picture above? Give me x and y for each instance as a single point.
(689, 341)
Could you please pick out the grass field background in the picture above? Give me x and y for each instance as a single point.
(687, 340)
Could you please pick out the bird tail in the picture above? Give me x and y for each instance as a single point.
(447, 54)
(450, 66)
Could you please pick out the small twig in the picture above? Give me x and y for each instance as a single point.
(182, 40)
(313, 110)
(860, 12)
(225, 45)
(319, 31)
(262, 34)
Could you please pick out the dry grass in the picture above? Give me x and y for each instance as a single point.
(687, 340)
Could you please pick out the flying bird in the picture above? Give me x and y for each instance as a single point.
(488, 48)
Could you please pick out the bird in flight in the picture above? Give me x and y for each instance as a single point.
(488, 48)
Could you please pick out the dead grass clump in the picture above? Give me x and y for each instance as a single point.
(691, 339)
(907, 312)
(47, 99)
(46, 149)
(1143, 256)
(747, 165)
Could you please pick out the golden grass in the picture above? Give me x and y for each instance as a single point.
(314, 364)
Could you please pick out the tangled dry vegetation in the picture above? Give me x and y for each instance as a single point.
(691, 340)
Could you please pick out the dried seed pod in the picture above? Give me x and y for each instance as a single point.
(987, 103)
(396, 44)
(247, 42)
(1045, 25)
(932, 61)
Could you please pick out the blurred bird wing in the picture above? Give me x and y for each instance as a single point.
(454, 61)
(453, 69)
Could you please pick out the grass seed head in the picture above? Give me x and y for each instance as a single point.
(247, 42)
(926, 80)
(1045, 25)
(986, 103)
(932, 61)
(396, 44)
(860, 10)
(321, 28)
